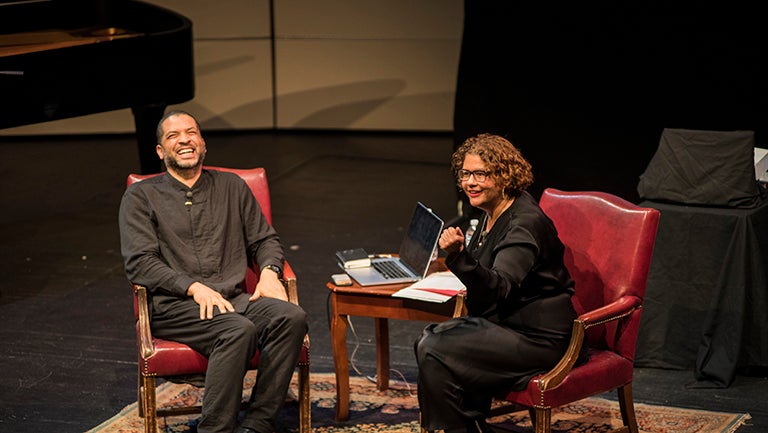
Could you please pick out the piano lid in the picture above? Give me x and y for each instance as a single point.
(51, 39)
(68, 58)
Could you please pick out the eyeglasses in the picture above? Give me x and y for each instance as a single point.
(480, 175)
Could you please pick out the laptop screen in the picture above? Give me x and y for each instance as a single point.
(420, 239)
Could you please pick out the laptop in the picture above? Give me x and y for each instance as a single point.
(414, 255)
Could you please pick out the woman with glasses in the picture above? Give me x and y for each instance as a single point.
(518, 294)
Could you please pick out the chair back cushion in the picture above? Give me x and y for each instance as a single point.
(255, 178)
(608, 246)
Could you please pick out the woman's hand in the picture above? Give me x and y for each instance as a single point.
(452, 240)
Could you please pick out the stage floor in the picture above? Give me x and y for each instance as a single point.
(68, 349)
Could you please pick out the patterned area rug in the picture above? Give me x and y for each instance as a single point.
(396, 411)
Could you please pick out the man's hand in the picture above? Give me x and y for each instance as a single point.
(452, 240)
(269, 286)
(208, 298)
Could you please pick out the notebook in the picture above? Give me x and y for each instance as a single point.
(414, 255)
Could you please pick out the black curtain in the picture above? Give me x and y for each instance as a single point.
(586, 90)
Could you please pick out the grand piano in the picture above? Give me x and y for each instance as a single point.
(68, 58)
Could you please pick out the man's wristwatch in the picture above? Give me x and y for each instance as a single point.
(277, 270)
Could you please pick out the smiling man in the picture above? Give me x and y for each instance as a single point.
(180, 144)
(189, 236)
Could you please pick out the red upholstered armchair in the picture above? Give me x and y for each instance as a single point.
(608, 243)
(162, 358)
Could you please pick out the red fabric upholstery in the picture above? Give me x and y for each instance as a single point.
(609, 243)
(163, 358)
(171, 359)
(256, 178)
(580, 383)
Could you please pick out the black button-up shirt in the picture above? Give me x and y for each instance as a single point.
(172, 235)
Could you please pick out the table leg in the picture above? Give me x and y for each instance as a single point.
(382, 353)
(339, 325)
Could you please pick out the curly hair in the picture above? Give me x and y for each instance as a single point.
(505, 163)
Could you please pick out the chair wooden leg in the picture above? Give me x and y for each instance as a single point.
(140, 392)
(542, 420)
(149, 402)
(627, 407)
(305, 404)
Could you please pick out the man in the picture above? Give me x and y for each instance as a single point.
(189, 235)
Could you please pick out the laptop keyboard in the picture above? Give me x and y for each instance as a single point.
(389, 269)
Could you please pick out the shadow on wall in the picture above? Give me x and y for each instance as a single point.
(353, 102)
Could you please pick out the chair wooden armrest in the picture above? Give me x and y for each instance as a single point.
(459, 309)
(614, 311)
(147, 347)
(289, 280)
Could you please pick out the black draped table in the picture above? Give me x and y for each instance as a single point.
(706, 305)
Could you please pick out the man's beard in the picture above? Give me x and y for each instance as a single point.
(173, 164)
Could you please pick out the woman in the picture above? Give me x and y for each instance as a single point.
(518, 294)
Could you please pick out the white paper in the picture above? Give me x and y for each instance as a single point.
(436, 287)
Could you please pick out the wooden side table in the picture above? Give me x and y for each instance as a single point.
(376, 302)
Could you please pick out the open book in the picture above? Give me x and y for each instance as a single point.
(436, 287)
